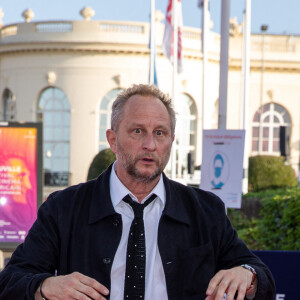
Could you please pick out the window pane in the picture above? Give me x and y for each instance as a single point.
(265, 132)
(265, 146)
(286, 118)
(103, 120)
(102, 135)
(192, 140)
(276, 146)
(193, 125)
(278, 108)
(66, 119)
(276, 120)
(254, 145)
(47, 134)
(47, 119)
(104, 103)
(266, 107)
(255, 131)
(102, 147)
(276, 132)
(57, 134)
(256, 117)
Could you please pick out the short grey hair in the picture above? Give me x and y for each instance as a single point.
(142, 90)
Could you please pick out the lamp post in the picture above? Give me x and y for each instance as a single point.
(263, 29)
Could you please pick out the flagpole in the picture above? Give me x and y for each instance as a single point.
(152, 43)
(174, 81)
(246, 84)
(225, 18)
(205, 25)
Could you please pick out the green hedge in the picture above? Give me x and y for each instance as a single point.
(278, 224)
(100, 162)
(270, 172)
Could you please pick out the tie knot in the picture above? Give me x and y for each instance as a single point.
(137, 207)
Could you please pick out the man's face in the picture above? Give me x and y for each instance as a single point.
(143, 141)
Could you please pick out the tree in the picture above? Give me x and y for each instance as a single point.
(100, 162)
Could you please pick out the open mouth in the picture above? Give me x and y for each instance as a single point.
(148, 159)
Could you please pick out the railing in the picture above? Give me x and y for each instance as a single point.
(192, 35)
(54, 27)
(275, 43)
(9, 30)
(116, 27)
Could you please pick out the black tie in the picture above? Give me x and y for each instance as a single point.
(134, 288)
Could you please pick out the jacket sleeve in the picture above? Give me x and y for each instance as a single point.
(233, 252)
(35, 259)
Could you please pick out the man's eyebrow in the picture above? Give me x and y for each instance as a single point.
(141, 125)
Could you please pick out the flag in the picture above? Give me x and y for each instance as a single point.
(167, 45)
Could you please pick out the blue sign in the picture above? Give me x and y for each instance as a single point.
(285, 267)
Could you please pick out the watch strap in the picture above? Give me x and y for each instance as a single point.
(252, 270)
(41, 291)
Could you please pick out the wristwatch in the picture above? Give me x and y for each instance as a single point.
(251, 269)
(41, 291)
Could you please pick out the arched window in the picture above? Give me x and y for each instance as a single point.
(186, 132)
(265, 128)
(54, 111)
(9, 106)
(105, 115)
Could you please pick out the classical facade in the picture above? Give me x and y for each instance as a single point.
(66, 74)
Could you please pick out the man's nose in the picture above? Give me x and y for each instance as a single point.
(149, 142)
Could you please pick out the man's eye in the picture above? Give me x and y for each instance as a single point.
(137, 130)
(159, 132)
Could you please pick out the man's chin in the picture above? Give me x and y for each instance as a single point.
(145, 175)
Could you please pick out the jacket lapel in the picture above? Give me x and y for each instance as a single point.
(101, 204)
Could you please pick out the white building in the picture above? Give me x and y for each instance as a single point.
(68, 73)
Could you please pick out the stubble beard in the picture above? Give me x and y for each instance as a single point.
(129, 164)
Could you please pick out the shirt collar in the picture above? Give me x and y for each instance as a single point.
(118, 190)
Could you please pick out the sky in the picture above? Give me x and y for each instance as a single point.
(281, 16)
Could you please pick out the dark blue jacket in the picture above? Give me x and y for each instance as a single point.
(77, 229)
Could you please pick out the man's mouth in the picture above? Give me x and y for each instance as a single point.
(146, 159)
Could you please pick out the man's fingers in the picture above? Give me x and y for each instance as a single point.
(242, 292)
(92, 283)
(229, 281)
(74, 286)
(214, 282)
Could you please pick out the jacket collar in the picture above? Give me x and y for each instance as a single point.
(174, 207)
(101, 204)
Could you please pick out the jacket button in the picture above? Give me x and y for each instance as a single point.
(116, 222)
(107, 261)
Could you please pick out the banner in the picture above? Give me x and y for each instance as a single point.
(222, 164)
(18, 181)
(285, 267)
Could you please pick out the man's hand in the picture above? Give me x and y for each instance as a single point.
(230, 281)
(73, 286)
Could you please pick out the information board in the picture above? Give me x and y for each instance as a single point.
(222, 164)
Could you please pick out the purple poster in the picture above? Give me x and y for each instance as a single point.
(18, 182)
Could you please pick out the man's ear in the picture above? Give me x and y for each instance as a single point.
(111, 138)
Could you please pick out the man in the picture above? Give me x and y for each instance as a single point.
(77, 248)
